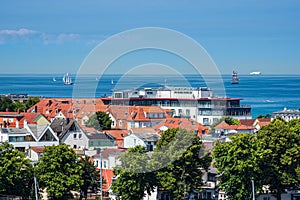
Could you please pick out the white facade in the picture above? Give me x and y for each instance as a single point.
(132, 140)
(25, 138)
(76, 139)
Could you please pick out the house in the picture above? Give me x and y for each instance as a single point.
(109, 158)
(225, 129)
(30, 135)
(127, 117)
(286, 114)
(118, 136)
(73, 108)
(34, 153)
(69, 132)
(261, 122)
(146, 137)
(16, 119)
(185, 123)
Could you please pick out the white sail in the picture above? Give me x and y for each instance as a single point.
(67, 79)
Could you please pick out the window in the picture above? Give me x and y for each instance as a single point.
(11, 120)
(180, 111)
(134, 141)
(79, 135)
(75, 136)
(5, 119)
(120, 123)
(104, 164)
(91, 143)
(188, 112)
(74, 146)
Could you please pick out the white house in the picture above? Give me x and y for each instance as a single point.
(146, 137)
(30, 135)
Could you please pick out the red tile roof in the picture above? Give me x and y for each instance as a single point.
(118, 134)
(37, 149)
(188, 124)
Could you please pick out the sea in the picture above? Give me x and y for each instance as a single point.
(264, 93)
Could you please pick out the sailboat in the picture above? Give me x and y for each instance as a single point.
(54, 80)
(67, 79)
(235, 79)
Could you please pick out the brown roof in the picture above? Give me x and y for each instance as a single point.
(247, 122)
(38, 149)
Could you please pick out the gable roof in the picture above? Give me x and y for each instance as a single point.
(118, 134)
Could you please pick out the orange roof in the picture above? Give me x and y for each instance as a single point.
(222, 125)
(247, 122)
(185, 123)
(108, 176)
(117, 134)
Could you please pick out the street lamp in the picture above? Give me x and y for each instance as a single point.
(100, 177)
(35, 182)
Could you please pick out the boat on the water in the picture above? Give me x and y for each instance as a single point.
(255, 73)
(67, 80)
(54, 80)
(235, 79)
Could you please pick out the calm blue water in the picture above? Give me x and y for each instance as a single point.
(279, 90)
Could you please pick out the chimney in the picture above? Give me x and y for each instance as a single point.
(49, 102)
(25, 123)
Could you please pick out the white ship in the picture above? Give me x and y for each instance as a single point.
(67, 79)
(255, 73)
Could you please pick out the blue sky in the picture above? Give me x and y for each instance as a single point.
(46, 36)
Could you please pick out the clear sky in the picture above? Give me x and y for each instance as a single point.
(49, 36)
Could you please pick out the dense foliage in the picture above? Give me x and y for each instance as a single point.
(10, 105)
(134, 179)
(175, 166)
(16, 174)
(180, 152)
(100, 121)
(271, 158)
(89, 176)
(58, 171)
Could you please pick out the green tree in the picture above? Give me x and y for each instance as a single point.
(264, 116)
(16, 174)
(6, 103)
(179, 157)
(282, 164)
(134, 179)
(228, 120)
(89, 176)
(100, 121)
(231, 121)
(58, 171)
(239, 162)
(19, 106)
(31, 101)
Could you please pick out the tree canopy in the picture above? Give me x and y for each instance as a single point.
(239, 162)
(89, 176)
(282, 164)
(133, 177)
(271, 158)
(175, 165)
(58, 171)
(16, 174)
(181, 153)
(100, 121)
